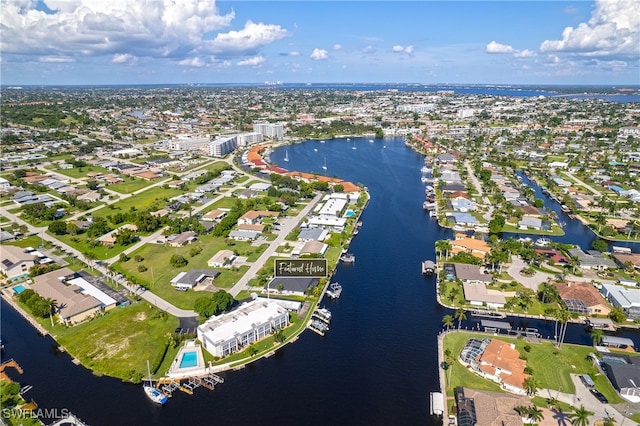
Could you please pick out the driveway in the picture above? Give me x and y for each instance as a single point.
(532, 282)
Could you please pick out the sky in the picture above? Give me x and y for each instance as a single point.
(47, 42)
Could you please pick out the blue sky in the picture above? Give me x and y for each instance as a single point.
(202, 41)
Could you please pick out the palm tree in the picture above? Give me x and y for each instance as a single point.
(563, 316)
(552, 402)
(460, 315)
(531, 385)
(447, 321)
(596, 335)
(443, 246)
(535, 414)
(580, 416)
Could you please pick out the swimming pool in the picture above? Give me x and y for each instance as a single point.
(19, 289)
(349, 213)
(189, 359)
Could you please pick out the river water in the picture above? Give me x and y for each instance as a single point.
(375, 366)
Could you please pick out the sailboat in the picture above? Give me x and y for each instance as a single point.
(354, 145)
(325, 164)
(286, 155)
(154, 394)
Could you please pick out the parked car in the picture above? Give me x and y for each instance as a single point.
(600, 396)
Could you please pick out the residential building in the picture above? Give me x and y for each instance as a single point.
(14, 262)
(233, 331)
(77, 299)
(222, 259)
(626, 298)
(189, 279)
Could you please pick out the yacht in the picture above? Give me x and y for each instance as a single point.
(154, 394)
(324, 167)
(542, 242)
(286, 156)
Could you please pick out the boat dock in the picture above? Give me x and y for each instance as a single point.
(323, 315)
(9, 363)
(318, 326)
(428, 267)
(348, 258)
(187, 385)
(334, 291)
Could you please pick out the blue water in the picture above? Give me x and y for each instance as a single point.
(375, 366)
(19, 289)
(189, 359)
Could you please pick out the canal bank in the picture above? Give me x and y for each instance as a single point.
(377, 364)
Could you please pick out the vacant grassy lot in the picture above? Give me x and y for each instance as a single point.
(120, 342)
(551, 367)
(140, 201)
(79, 172)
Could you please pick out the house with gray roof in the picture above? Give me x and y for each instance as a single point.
(623, 297)
(298, 286)
(189, 279)
(592, 259)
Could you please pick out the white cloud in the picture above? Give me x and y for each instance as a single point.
(400, 49)
(122, 58)
(495, 47)
(246, 40)
(141, 28)
(526, 53)
(192, 62)
(319, 54)
(56, 59)
(369, 49)
(253, 62)
(613, 30)
(294, 53)
(337, 46)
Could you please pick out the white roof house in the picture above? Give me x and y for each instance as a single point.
(234, 331)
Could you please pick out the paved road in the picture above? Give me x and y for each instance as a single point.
(285, 229)
(589, 187)
(145, 294)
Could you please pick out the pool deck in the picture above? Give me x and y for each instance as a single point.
(175, 372)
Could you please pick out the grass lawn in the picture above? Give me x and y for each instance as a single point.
(79, 172)
(555, 230)
(159, 271)
(551, 367)
(140, 201)
(130, 185)
(81, 243)
(120, 342)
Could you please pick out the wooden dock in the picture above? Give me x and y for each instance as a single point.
(10, 363)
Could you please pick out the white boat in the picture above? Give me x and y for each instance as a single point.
(325, 164)
(321, 141)
(154, 394)
(542, 242)
(315, 149)
(433, 214)
(286, 156)
(371, 140)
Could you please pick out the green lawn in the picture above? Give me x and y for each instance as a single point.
(130, 185)
(159, 271)
(140, 201)
(120, 342)
(83, 244)
(555, 230)
(79, 172)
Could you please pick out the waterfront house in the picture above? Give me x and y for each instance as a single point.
(582, 298)
(233, 331)
(294, 286)
(626, 298)
(625, 259)
(314, 247)
(592, 259)
(463, 219)
(14, 262)
(479, 407)
(478, 248)
(529, 222)
(77, 300)
(477, 294)
(624, 373)
(498, 361)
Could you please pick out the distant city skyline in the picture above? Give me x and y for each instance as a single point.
(199, 41)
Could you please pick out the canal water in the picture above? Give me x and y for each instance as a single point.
(376, 365)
